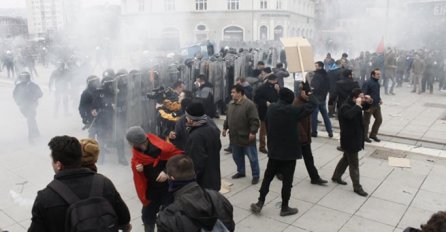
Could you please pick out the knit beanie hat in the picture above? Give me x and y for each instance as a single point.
(286, 95)
(195, 109)
(136, 135)
(90, 153)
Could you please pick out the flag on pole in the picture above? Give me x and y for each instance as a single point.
(380, 48)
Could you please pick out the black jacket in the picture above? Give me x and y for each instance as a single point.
(264, 93)
(352, 129)
(181, 133)
(48, 213)
(203, 145)
(192, 210)
(344, 88)
(27, 94)
(333, 77)
(371, 87)
(320, 85)
(87, 103)
(282, 130)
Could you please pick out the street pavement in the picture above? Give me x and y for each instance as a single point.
(398, 197)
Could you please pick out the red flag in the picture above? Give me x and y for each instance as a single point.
(380, 48)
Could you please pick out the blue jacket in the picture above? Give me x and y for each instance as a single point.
(371, 87)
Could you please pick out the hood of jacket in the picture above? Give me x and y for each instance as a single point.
(197, 205)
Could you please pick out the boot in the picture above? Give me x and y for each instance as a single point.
(287, 211)
(257, 207)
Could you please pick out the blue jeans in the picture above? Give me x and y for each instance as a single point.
(323, 109)
(238, 154)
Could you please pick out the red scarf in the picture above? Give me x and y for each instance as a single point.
(167, 150)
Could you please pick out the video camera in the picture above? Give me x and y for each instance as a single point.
(160, 94)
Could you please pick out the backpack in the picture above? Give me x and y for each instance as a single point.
(93, 214)
(218, 226)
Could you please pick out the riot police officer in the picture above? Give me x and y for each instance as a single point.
(88, 105)
(26, 95)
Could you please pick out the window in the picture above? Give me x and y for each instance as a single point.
(279, 4)
(169, 5)
(233, 4)
(263, 4)
(263, 33)
(201, 4)
(141, 5)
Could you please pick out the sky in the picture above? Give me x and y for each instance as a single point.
(22, 3)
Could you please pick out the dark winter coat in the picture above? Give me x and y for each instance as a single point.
(352, 129)
(265, 93)
(304, 124)
(48, 213)
(88, 103)
(203, 146)
(27, 94)
(333, 77)
(205, 94)
(282, 131)
(181, 133)
(344, 88)
(320, 85)
(242, 119)
(371, 87)
(192, 210)
(280, 74)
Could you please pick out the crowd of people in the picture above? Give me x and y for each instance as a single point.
(166, 113)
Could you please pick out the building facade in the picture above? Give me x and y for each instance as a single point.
(46, 16)
(192, 21)
(13, 26)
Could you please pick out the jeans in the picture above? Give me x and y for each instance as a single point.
(323, 109)
(238, 154)
(284, 167)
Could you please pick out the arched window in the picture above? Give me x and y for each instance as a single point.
(263, 33)
(233, 33)
(278, 32)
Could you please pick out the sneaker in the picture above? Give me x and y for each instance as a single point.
(255, 180)
(319, 181)
(238, 175)
(257, 207)
(375, 139)
(263, 150)
(361, 192)
(367, 140)
(287, 211)
(339, 181)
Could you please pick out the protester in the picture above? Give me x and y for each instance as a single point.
(203, 145)
(242, 121)
(352, 139)
(284, 147)
(150, 155)
(53, 204)
(371, 87)
(194, 208)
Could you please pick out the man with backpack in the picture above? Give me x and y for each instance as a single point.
(77, 199)
(194, 208)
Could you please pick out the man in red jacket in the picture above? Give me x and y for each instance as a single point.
(150, 155)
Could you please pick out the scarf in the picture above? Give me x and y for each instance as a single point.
(175, 185)
(197, 121)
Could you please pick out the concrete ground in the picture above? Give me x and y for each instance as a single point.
(398, 197)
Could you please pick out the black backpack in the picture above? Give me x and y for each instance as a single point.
(93, 214)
